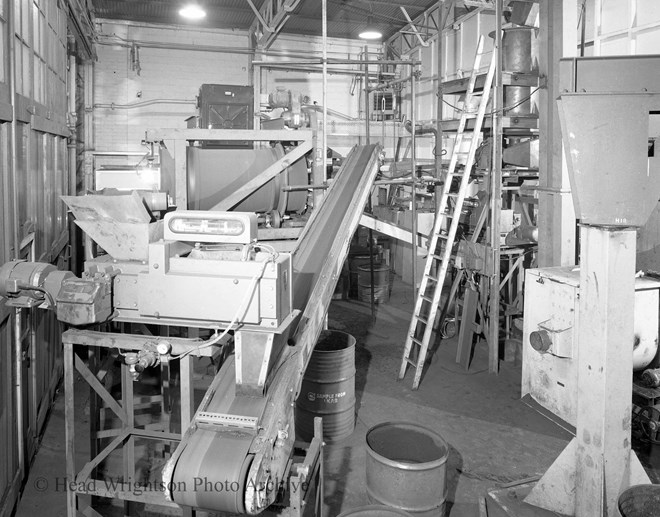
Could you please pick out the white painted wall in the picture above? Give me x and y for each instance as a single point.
(623, 27)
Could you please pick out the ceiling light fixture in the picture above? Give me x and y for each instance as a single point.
(370, 32)
(192, 12)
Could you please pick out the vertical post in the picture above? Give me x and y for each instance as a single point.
(187, 392)
(128, 450)
(180, 174)
(69, 429)
(556, 219)
(443, 13)
(607, 298)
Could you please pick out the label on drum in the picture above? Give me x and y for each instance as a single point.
(328, 398)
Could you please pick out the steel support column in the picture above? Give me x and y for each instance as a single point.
(607, 291)
(556, 220)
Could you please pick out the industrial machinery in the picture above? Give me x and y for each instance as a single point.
(582, 328)
(193, 269)
(550, 336)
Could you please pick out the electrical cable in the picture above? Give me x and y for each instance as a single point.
(503, 109)
(249, 293)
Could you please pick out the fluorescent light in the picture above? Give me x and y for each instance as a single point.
(192, 12)
(370, 33)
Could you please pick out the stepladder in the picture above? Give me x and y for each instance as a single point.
(447, 220)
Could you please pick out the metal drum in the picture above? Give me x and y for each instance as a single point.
(328, 388)
(640, 501)
(213, 174)
(374, 510)
(381, 283)
(354, 264)
(406, 468)
(519, 49)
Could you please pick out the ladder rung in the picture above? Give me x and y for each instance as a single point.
(411, 362)
(443, 236)
(416, 341)
(426, 298)
(452, 194)
(423, 320)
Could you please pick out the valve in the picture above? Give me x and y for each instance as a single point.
(137, 362)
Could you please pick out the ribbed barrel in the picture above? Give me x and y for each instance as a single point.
(406, 468)
(639, 501)
(381, 283)
(374, 510)
(328, 388)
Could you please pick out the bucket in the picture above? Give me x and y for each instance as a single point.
(374, 510)
(519, 49)
(406, 468)
(381, 283)
(328, 388)
(640, 501)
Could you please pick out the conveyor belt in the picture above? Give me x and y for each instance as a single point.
(213, 461)
(230, 456)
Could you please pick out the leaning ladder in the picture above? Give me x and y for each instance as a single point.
(448, 214)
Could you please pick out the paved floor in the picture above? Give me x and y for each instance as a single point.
(494, 439)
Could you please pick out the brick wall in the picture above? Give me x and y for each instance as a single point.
(169, 74)
(175, 74)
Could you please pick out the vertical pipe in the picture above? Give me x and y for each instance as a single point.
(368, 141)
(413, 161)
(18, 389)
(18, 348)
(442, 16)
(366, 95)
(14, 129)
(72, 151)
(325, 92)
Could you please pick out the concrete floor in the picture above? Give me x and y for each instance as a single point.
(494, 438)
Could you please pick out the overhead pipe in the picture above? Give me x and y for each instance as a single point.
(421, 129)
(143, 104)
(72, 149)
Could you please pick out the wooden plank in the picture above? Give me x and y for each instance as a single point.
(467, 328)
(394, 231)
